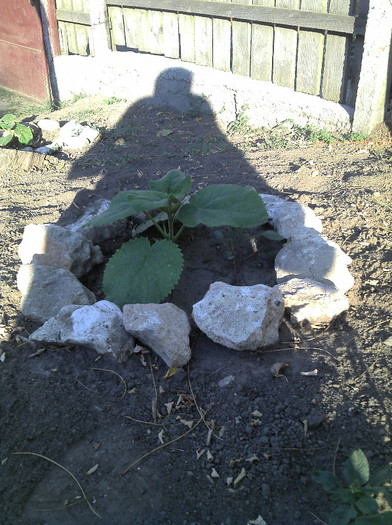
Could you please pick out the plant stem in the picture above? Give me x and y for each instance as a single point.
(161, 231)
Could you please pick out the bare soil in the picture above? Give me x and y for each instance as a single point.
(96, 417)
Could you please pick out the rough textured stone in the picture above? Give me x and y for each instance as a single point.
(163, 327)
(45, 290)
(55, 246)
(291, 219)
(316, 258)
(76, 136)
(97, 233)
(240, 317)
(311, 301)
(99, 326)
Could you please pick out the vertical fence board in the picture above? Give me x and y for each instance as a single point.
(262, 47)
(171, 46)
(357, 57)
(203, 40)
(155, 26)
(221, 44)
(71, 38)
(130, 28)
(241, 35)
(187, 37)
(63, 38)
(310, 53)
(336, 57)
(116, 26)
(81, 37)
(285, 50)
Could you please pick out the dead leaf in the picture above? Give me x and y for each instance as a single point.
(199, 453)
(96, 445)
(311, 373)
(169, 407)
(256, 413)
(277, 368)
(186, 422)
(214, 473)
(258, 521)
(164, 132)
(161, 436)
(253, 459)
(240, 476)
(170, 372)
(210, 457)
(92, 470)
(133, 390)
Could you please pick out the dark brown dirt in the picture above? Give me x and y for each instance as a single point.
(81, 411)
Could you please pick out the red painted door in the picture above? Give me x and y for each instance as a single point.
(23, 66)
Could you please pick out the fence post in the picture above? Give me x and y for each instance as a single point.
(99, 27)
(375, 76)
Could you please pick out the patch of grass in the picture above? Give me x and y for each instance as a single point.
(241, 124)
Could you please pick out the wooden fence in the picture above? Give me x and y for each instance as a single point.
(313, 46)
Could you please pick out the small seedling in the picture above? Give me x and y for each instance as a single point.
(14, 132)
(143, 273)
(358, 505)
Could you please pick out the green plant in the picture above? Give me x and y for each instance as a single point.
(240, 124)
(143, 273)
(358, 505)
(14, 131)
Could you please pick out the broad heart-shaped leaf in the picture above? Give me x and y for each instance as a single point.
(127, 203)
(342, 515)
(175, 183)
(356, 467)
(24, 134)
(6, 139)
(367, 505)
(224, 205)
(8, 121)
(327, 480)
(142, 273)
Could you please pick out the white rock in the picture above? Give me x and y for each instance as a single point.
(316, 258)
(291, 219)
(240, 317)
(163, 327)
(76, 136)
(312, 301)
(45, 290)
(99, 326)
(52, 245)
(97, 233)
(47, 124)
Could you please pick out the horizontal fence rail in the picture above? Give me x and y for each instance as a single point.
(311, 50)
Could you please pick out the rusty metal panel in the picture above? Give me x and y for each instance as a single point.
(23, 66)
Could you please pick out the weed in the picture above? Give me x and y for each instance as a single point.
(240, 124)
(113, 100)
(14, 133)
(358, 505)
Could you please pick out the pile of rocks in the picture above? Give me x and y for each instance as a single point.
(312, 278)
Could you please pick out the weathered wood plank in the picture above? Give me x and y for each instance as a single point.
(116, 26)
(285, 50)
(171, 46)
(187, 38)
(269, 15)
(310, 53)
(130, 28)
(71, 38)
(75, 17)
(262, 47)
(155, 27)
(63, 38)
(221, 44)
(336, 59)
(142, 31)
(241, 42)
(203, 40)
(81, 39)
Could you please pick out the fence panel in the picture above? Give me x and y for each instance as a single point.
(301, 44)
(75, 38)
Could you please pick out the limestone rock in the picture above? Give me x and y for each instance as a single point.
(97, 233)
(311, 301)
(291, 219)
(52, 245)
(76, 136)
(98, 326)
(45, 290)
(240, 317)
(163, 327)
(316, 258)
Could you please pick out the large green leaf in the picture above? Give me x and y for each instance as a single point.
(327, 480)
(383, 518)
(8, 121)
(342, 515)
(175, 183)
(127, 203)
(24, 134)
(367, 505)
(356, 467)
(224, 205)
(381, 475)
(6, 139)
(142, 273)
